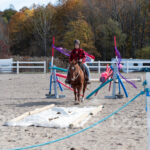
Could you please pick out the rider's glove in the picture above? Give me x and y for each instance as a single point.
(80, 60)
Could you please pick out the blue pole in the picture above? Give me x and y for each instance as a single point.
(101, 86)
(50, 88)
(50, 64)
(60, 86)
(124, 89)
(119, 87)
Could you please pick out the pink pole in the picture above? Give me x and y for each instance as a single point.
(61, 75)
(66, 86)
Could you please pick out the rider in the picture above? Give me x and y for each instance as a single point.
(79, 55)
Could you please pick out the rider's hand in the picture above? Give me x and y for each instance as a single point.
(80, 60)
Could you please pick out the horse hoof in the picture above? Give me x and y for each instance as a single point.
(77, 103)
(82, 100)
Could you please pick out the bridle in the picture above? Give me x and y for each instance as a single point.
(73, 79)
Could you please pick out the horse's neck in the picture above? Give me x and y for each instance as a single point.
(77, 67)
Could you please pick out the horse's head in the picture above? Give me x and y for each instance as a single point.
(73, 69)
(73, 64)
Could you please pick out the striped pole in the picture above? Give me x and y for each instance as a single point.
(55, 84)
(52, 61)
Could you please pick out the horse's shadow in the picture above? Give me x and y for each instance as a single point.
(33, 102)
(44, 103)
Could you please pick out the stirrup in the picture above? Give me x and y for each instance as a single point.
(87, 81)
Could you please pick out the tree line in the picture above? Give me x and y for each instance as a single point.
(93, 22)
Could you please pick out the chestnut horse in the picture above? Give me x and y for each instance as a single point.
(78, 82)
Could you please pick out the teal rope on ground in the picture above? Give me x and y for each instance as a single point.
(78, 132)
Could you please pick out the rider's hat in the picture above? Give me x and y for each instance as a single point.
(76, 42)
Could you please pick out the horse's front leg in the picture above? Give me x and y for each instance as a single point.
(84, 88)
(79, 92)
(75, 94)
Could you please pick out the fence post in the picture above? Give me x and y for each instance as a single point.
(44, 66)
(99, 67)
(17, 67)
(148, 108)
(127, 67)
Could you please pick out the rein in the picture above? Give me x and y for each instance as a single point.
(73, 79)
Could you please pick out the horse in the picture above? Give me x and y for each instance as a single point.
(77, 81)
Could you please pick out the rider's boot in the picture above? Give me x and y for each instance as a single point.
(67, 81)
(87, 79)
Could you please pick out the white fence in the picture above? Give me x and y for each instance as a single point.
(127, 66)
(24, 65)
(5, 65)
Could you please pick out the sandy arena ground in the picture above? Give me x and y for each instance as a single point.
(25, 92)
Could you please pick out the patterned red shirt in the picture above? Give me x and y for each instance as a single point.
(78, 54)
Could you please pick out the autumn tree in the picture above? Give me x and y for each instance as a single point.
(94, 22)
(7, 14)
(42, 26)
(81, 30)
(21, 32)
(4, 44)
(105, 35)
(66, 12)
(144, 53)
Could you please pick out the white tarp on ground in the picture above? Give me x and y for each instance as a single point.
(57, 117)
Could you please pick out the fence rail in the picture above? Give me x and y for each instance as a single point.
(23, 65)
(127, 66)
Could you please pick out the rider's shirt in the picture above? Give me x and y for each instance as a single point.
(78, 54)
